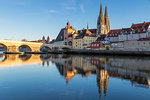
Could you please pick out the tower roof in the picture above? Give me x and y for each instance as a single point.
(101, 10)
(106, 13)
(101, 19)
(68, 23)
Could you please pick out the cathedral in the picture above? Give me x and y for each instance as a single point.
(103, 26)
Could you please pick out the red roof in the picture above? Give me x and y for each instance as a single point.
(140, 27)
(114, 33)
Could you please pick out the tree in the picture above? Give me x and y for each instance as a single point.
(24, 40)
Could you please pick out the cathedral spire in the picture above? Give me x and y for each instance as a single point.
(106, 13)
(101, 19)
(101, 10)
(106, 16)
(107, 20)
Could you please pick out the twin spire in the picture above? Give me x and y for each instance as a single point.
(103, 19)
(103, 26)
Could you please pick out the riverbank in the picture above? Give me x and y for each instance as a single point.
(91, 52)
(109, 52)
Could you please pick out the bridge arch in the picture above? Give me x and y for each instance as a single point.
(24, 48)
(3, 47)
(45, 49)
(66, 48)
(3, 58)
(25, 57)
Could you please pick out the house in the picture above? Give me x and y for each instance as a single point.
(84, 39)
(99, 42)
(113, 35)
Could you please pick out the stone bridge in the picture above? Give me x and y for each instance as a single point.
(18, 46)
(51, 47)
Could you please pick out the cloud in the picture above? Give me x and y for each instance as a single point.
(70, 8)
(52, 11)
(69, 5)
(82, 8)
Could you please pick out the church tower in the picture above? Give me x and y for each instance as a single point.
(107, 20)
(103, 26)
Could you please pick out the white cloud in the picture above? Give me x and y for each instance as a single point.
(69, 5)
(82, 8)
(52, 11)
(70, 8)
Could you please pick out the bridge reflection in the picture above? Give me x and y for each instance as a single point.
(18, 60)
(135, 69)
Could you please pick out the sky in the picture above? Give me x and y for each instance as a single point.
(31, 19)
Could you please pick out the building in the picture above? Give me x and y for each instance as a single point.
(113, 35)
(103, 26)
(65, 36)
(69, 34)
(84, 39)
(78, 43)
(139, 31)
(135, 32)
(124, 34)
(99, 43)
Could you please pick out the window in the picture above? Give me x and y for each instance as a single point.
(138, 30)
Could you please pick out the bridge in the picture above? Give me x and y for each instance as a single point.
(54, 48)
(18, 46)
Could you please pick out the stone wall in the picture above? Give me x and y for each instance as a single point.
(131, 46)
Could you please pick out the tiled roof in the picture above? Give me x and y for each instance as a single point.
(85, 32)
(101, 38)
(60, 36)
(141, 27)
(114, 33)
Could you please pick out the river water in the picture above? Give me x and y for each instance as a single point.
(74, 77)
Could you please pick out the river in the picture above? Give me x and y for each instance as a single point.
(74, 77)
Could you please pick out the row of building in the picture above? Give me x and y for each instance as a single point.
(102, 37)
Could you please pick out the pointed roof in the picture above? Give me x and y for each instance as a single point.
(106, 13)
(101, 19)
(101, 10)
(106, 17)
(43, 38)
(87, 26)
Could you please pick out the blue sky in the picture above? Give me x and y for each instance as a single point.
(31, 19)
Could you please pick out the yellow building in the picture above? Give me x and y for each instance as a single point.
(87, 40)
(83, 39)
(83, 43)
(77, 43)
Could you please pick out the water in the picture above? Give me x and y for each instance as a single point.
(74, 77)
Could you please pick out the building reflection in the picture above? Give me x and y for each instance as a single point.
(104, 68)
(135, 69)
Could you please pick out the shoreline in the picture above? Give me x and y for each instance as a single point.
(91, 52)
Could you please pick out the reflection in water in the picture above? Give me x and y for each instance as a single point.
(136, 69)
(18, 60)
(25, 57)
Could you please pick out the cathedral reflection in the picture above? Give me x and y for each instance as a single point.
(104, 68)
(136, 69)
